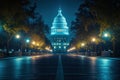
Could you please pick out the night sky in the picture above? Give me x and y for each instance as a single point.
(48, 9)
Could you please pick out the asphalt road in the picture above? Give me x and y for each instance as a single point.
(59, 67)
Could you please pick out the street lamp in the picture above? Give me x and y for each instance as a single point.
(27, 40)
(37, 44)
(94, 45)
(17, 36)
(106, 35)
(93, 39)
(21, 44)
(82, 44)
(33, 42)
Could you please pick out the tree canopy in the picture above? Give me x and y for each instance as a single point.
(94, 17)
(20, 16)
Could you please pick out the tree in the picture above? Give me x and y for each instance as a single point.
(36, 26)
(85, 23)
(13, 17)
(100, 13)
(107, 15)
(21, 16)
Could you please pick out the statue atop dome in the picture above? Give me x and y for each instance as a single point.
(59, 11)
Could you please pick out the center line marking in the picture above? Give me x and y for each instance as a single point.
(59, 75)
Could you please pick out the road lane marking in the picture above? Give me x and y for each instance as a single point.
(59, 74)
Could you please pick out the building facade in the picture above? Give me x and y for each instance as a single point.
(59, 34)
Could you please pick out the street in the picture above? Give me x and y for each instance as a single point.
(59, 67)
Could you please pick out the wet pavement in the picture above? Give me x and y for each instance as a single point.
(59, 67)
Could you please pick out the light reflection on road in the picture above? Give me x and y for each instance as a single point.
(83, 67)
(17, 67)
(100, 68)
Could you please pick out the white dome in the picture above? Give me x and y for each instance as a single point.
(59, 20)
(59, 25)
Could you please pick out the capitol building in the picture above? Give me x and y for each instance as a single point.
(59, 34)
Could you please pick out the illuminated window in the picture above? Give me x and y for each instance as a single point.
(59, 46)
(67, 43)
(54, 43)
(54, 47)
(59, 43)
(59, 30)
(64, 43)
(64, 47)
(59, 40)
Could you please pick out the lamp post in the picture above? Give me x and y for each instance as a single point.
(27, 42)
(83, 47)
(33, 43)
(109, 36)
(18, 37)
(93, 40)
(106, 37)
